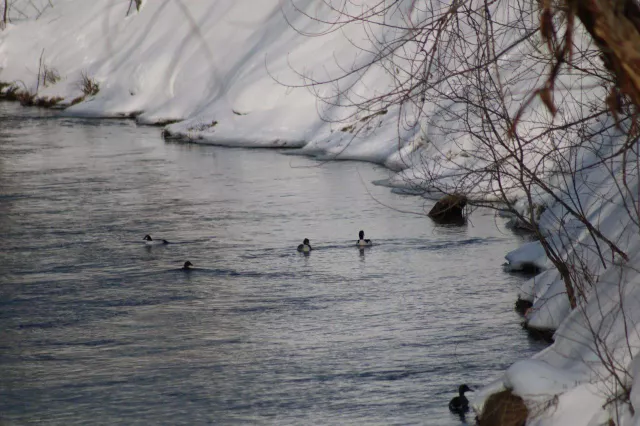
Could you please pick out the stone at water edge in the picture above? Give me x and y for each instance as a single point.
(449, 208)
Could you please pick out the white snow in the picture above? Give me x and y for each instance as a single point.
(530, 254)
(199, 63)
(215, 68)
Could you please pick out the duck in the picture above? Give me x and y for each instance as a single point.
(151, 242)
(460, 403)
(362, 242)
(305, 247)
(187, 266)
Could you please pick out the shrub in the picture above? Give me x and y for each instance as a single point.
(49, 76)
(11, 93)
(46, 75)
(88, 85)
(25, 98)
(77, 100)
(46, 102)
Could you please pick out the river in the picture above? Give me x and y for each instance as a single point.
(98, 328)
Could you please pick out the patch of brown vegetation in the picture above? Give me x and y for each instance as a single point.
(348, 129)
(25, 98)
(11, 94)
(77, 100)
(50, 76)
(203, 126)
(375, 114)
(88, 85)
(48, 102)
(165, 122)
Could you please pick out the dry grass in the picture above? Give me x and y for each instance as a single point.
(348, 129)
(49, 76)
(12, 92)
(165, 122)
(77, 100)
(25, 98)
(375, 114)
(46, 102)
(203, 126)
(88, 85)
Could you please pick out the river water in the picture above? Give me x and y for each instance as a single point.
(97, 328)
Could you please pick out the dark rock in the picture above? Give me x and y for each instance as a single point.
(525, 268)
(503, 409)
(545, 335)
(522, 306)
(449, 209)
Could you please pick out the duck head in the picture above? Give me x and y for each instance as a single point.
(147, 238)
(187, 265)
(306, 242)
(361, 235)
(464, 388)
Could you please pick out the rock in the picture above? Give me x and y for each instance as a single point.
(539, 334)
(449, 209)
(503, 409)
(523, 305)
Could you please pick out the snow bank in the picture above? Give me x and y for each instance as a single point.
(530, 255)
(589, 375)
(213, 68)
(594, 358)
(233, 72)
(584, 377)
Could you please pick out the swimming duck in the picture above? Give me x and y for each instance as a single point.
(460, 404)
(151, 242)
(362, 242)
(305, 247)
(187, 266)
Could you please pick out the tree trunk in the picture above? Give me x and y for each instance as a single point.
(615, 27)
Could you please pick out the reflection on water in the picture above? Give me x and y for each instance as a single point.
(95, 326)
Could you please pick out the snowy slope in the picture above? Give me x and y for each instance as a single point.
(224, 71)
(198, 62)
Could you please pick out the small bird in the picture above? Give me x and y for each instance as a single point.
(187, 266)
(460, 404)
(362, 242)
(151, 242)
(305, 247)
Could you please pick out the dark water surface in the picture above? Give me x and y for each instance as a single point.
(97, 328)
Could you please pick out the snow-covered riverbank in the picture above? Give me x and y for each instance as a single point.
(214, 68)
(224, 71)
(591, 369)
